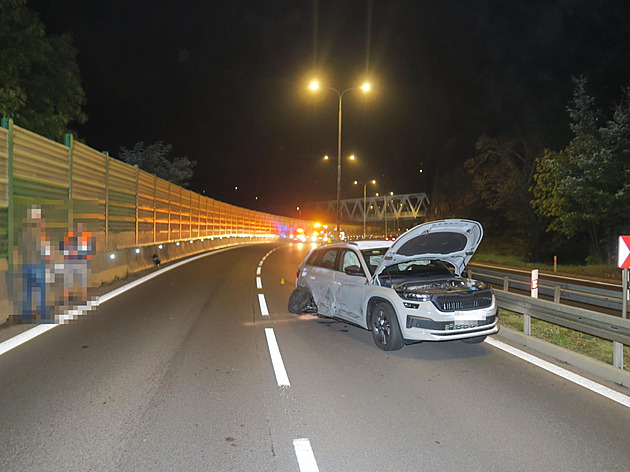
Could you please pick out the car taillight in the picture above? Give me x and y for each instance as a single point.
(297, 274)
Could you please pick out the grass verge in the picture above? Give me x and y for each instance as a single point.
(592, 346)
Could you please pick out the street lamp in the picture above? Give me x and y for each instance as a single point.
(373, 182)
(366, 88)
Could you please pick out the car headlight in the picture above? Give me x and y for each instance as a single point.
(416, 297)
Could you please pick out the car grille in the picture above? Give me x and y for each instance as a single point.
(472, 301)
(413, 322)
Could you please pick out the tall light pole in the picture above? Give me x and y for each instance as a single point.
(373, 182)
(366, 88)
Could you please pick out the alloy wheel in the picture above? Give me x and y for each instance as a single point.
(383, 327)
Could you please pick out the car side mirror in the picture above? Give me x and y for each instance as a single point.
(353, 270)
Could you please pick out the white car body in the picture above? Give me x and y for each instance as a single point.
(429, 304)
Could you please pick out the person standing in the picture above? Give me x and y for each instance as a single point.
(77, 250)
(34, 251)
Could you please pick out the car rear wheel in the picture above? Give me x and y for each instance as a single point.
(475, 340)
(301, 301)
(385, 330)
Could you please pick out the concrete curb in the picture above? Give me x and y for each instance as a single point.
(588, 364)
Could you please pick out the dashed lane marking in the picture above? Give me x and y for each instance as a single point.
(305, 456)
(263, 304)
(276, 359)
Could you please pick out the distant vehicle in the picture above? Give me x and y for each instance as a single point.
(404, 291)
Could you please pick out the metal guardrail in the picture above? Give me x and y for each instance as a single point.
(602, 297)
(604, 326)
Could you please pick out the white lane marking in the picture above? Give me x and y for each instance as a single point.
(276, 359)
(554, 369)
(258, 283)
(114, 293)
(21, 338)
(305, 456)
(258, 270)
(263, 304)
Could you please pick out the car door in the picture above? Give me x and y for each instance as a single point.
(349, 290)
(319, 278)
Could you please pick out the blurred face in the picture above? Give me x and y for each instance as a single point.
(35, 213)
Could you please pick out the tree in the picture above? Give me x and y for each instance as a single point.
(40, 84)
(154, 159)
(502, 171)
(585, 188)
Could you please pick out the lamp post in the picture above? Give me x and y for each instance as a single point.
(373, 182)
(365, 87)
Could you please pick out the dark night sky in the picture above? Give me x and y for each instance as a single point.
(225, 83)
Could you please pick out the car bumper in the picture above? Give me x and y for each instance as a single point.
(450, 327)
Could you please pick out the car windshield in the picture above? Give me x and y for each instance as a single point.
(373, 257)
(417, 268)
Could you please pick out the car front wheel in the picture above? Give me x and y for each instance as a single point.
(301, 301)
(385, 330)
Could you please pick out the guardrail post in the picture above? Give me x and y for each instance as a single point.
(136, 228)
(7, 123)
(154, 209)
(69, 141)
(506, 283)
(556, 294)
(168, 237)
(106, 200)
(618, 347)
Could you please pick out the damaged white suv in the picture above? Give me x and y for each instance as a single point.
(407, 291)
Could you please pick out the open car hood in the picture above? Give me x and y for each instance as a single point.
(452, 241)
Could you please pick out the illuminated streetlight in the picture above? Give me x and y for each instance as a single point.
(326, 157)
(351, 157)
(373, 182)
(315, 86)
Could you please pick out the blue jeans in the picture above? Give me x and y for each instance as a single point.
(34, 286)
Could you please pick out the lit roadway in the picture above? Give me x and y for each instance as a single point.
(176, 374)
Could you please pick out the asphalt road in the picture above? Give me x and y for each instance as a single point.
(176, 374)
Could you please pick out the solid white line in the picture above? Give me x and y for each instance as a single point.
(263, 304)
(305, 456)
(258, 283)
(21, 338)
(146, 278)
(276, 359)
(554, 369)
(258, 270)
